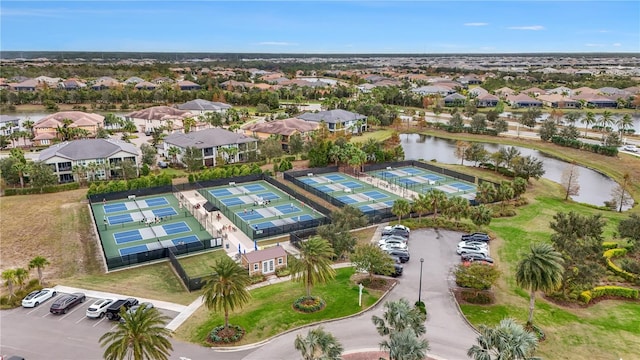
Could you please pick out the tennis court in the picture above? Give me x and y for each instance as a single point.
(256, 206)
(422, 181)
(351, 191)
(137, 225)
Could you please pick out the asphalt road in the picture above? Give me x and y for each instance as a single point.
(36, 334)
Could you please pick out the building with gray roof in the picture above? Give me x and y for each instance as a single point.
(101, 158)
(338, 120)
(9, 124)
(200, 106)
(214, 142)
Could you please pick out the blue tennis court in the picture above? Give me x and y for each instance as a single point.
(220, 192)
(119, 219)
(407, 181)
(249, 215)
(185, 240)
(324, 188)
(133, 250)
(254, 187)
(375, 195)
(157, 201)
(111, 208)
(432, 177)
(412, 171)
(127, 236)
(352, 184)
(304, 217)
(308, 181)
(461, 186)
(232, 202)
(347, 199)
(334, 177)
(263, 225)
(168, 211)
(269, 196)
(287, 209)
(176, 228)
(365, 208)
(387, 174)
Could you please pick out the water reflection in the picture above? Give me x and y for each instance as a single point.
(595, 188)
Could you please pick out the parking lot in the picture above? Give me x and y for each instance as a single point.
(35, 333)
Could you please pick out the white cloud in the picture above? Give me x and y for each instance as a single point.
(593, 45)
(476, 24)
(532, 27)
(616, 44)
(277, 43)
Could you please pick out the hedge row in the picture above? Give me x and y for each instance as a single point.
(225, 172)
(611, 253)
(576, 144)
(609, 245)
(133, 184)
(42, 190)
(600, 291)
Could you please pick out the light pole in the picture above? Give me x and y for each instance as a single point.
(420, 288)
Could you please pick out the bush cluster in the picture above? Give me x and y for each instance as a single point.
(42, 190)
(309, 304)
(124, 185)
(611, 253)
(607, 245)
(476, 297)
(600, 291)
(237, 335)
(19, 294)
(576, 144)
(225, 172)
(283, 271)
(631, 265)
(421, 307)
(257, 278)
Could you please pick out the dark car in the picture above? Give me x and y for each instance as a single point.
(65, 302)
(476, 237)
(397, 232)
(476, 257)
(402, 255)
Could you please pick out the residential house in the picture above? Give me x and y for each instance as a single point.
(584, 90)
(133, 80)
(187, 85)
(455, 99)
(45, 129)
(283, 129)
(504, 92)
(200, 106)
(159, 116)
(559, 101)
(562, 90)
(433, 90)
(477, 91)
(469, 80)
(49, 82)
(523, 101)
(487, 100)
(338, 120)
(213, 142)
(72, 84)
(534, 91)
(101, 157)
(596, 101)
(104, 83)
(9, 124)
(145, 85)
(265, 262)
(26, 85)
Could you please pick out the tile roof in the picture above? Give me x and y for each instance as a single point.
(266, 254)
(74, 116)
(207, 138)
(160, 113)
(332, 116)
(284, 127)
(203, 105)
(87, 149)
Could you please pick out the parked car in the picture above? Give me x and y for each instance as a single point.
(163, 164)
(394, 246)
(398, 232)
(476, 237)
(113, 311)
(134, 308)
(66, 302)
(397, 227)
(471, 249)
(389, 239)
(476, 257)
(37, 297)
(397, 271)
(473, 243)
(395, 237)
(99, 308)
(401, 254)
(393, 243)
(631, 148)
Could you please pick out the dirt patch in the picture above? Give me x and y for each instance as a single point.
(378, 283)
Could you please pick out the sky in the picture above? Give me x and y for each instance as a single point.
(338, 26)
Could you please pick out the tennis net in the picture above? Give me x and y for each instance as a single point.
(270, 210)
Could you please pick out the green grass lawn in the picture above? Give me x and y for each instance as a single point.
(270, 312)
(379, 135)
(198, 265)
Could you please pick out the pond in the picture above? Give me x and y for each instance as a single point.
(595, 188)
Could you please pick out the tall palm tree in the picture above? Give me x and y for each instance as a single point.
(458, 208)
(21, 276)
(319, 345)
(606, 120)
(141, 335)
(314, 265)
(188, 124)
(504, 193)
(541, 269)
(401, 207)
(405, 345)
(226, 290)
(173, 153)
(589, 119)
(480, 215)
(398, 316)
(9, 276)
(420, 205)
(624, 123)
(437, 200)
(507, 341)
(39, 263)
(486, 192)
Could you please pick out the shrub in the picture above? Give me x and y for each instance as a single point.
(421, 307)
(283, 271)
(309, 304)
(611, 253)
(476, 276)
(257, 278)
(607, 245)
(630, 265)
(238, 332)
(42, 190)
(477, 297)
(616, 291)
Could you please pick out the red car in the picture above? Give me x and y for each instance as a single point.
(65, 302)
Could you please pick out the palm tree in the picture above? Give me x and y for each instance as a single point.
(458, 208)
(486, 192)
(318, 345)
(314, 265)
(80, 171)
(480, 215)
(21, 168)
(226, 290)
(39, 263)
(9, 276)
(509, 340)
(400, 208)
(541, 269)
(606, 120)
(420, 205)
(141, 335)
(398, 316)
(188, 123)
(173, 152)
(436, 200)
(405, 345)
(624, 123)
(21, 275)
(589, 119)
(504, 193)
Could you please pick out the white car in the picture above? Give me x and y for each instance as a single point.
(631, 148)
(393, 242)
(37, 297)
(394, 246)
(99, 308)
(397, 226)
(472, 249)
(473, 243)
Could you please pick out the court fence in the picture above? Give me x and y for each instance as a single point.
(191, 283)
(373, 215)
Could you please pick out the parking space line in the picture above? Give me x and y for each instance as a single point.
(82, 318)
(47, 314)
(71, 312)
(99, 321)
(113, 327)
(34, 309)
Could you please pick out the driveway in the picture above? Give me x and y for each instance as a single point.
(448, 334)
